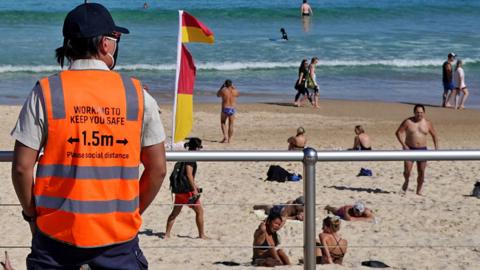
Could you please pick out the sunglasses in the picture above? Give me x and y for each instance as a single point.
(115, 36)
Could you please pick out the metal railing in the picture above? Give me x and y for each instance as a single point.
(309, 157)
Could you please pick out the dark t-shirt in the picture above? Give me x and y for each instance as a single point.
(447, 75)
(194, 166)
(305, 74)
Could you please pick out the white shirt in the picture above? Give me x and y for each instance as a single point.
(31, 128)
(459, 78)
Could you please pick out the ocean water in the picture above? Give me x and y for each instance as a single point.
(369, 50)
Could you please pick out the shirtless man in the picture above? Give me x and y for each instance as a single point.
(298, 141)
(305, 9)
(416, 129)
(229, 94)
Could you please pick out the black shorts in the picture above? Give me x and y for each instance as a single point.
(50, 254)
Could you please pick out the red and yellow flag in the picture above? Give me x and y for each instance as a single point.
(192, 30)
(186, 82)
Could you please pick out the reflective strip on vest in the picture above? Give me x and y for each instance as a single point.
(132, 98)
(77, 172)
(56, 90)
(87, 207)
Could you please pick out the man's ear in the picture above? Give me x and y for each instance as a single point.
(103, 46)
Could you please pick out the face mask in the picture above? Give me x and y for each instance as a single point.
(115, 54)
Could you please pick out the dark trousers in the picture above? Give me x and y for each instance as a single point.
(302, 91)
(50, 254)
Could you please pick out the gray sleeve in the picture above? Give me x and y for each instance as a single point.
(153, 131)
(31, 126)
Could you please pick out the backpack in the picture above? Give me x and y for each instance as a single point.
(178, 179)
(365, 172)
(476, 190)
(277, 173)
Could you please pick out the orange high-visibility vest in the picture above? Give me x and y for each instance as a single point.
(86, 188)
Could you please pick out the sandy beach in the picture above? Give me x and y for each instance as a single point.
(437, 231)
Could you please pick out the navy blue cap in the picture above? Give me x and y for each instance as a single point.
(90, 20)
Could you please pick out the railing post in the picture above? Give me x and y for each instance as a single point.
(309, 233)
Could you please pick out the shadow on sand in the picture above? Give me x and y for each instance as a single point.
(232, 263)
(149, 232)
(426, 105)
(285, 104)
(360, 189)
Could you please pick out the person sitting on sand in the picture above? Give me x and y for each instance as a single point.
(298, 141)
(192, 198)
(332, 247)
(292, 209)
(229, 95)
(356, 212)
(265, 242)
(362, 140)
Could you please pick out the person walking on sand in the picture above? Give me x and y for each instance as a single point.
(306, 9)
(94, 127)
(461, 87)
(416, 129)
(191, 197)
(312, 81)
(229, 95)
(447, 79)
(300, 84)
(298, 141)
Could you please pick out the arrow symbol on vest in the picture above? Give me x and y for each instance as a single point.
(72, 140)
(124, 141)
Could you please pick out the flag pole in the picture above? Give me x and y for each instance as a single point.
(177, 75)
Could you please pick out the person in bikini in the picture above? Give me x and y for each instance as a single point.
(229, 95)
(356, 212)
(332, 247)
(362, 140)
(306, 9)
(416, 129)
(265, 242)
(298, 141)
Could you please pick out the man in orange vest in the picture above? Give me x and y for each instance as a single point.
(92, 127)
